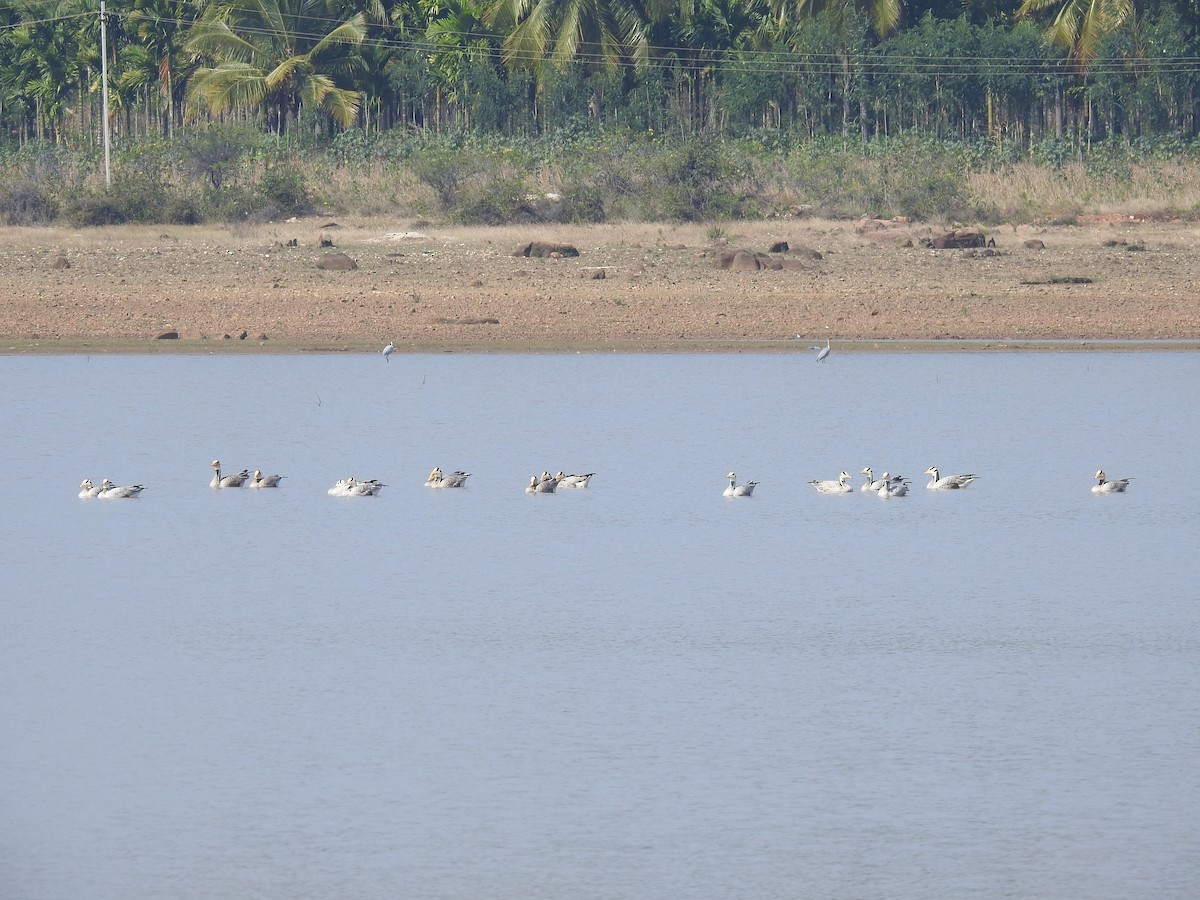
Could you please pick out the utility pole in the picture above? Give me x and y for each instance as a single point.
(104, 92)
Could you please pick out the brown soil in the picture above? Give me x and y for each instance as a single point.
(631, 287)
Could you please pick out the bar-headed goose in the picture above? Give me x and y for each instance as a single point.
(89, 491)
(110, 491)
(264, 481)
(365, 488)
(543, 484)
(938, 482)
(1102, 485)
(745, 489)
(219, 481)
(455, 479)
(892, 486)
(573, 481)
(841, 486)
(872, 483)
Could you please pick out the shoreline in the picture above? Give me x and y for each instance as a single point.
(869, 286)
(124, 347)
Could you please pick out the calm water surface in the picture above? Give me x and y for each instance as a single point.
(641, 690)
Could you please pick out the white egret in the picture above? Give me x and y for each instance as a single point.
(388, 351)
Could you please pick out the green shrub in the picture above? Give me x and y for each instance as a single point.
(698, 181)
(284, 190)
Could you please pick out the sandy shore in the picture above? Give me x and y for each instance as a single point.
(866, 285)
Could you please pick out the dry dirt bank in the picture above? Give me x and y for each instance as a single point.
(631, 287)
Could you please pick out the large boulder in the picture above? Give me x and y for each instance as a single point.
(958, 240)
(745, 261)
(337, 261)
(542, 249)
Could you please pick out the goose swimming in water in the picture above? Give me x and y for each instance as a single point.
(841, 486)
(1102, 485)
(89, 491)
(340, 487)
(229, 480)
(545, 484)
(265, 481)
(454, 480)
(110, 491)
(872, 483)
(352, 487)
(892, 486)
(745, 489)
(947, 483)
(573, 481)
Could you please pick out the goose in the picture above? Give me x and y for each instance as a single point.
(841, 486)
(824, 354)
(947, 483)
(88, 491)
(543, 485)
(352, 487)
(1102, 485)
(265, 481)
(892, 486)
(341, 488)
(454, 479)
(110, 491)
(739, 490)
(573, 481)
(366, 488)
(229, 480)
(872, 483)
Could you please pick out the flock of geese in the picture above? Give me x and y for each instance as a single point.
(897, 485)
(345, 487)
(887, 486)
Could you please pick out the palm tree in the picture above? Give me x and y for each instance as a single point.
(155, 53)
(266, 52)
(1080, 26)
(598, 32)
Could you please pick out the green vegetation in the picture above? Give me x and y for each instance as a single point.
(242, 175)
(482, 110)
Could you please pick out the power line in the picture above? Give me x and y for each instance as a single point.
(874, 62)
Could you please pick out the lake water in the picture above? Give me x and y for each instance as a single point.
(642, 690)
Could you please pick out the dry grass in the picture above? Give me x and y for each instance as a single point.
(1034, 192)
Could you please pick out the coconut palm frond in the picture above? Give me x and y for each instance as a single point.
(227, 87)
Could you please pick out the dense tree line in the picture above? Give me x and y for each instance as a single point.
(964, 69)
(1010, 73)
